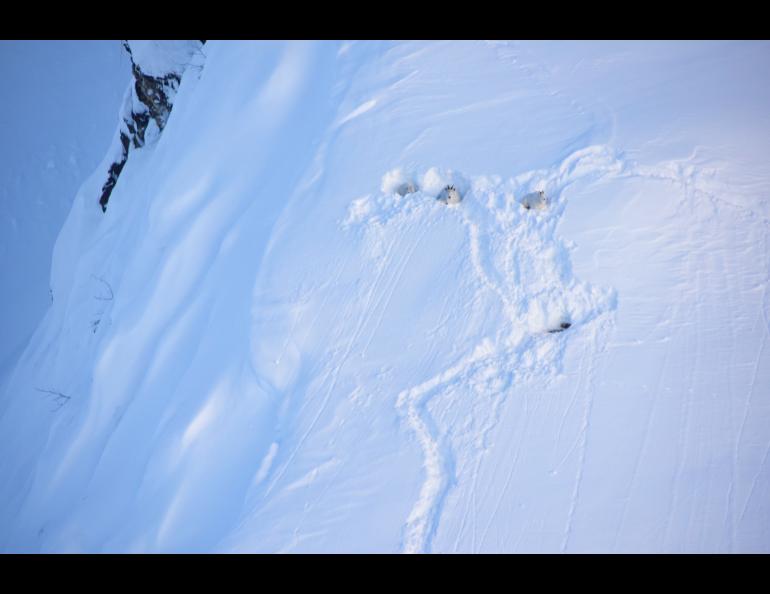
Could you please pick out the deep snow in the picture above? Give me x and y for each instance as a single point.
(59, 109)
(269, 343)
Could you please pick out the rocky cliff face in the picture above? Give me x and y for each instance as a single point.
(157, 68)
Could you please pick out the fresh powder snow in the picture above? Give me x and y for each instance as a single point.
(59, 109)
(457, 296)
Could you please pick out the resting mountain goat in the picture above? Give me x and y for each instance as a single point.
(449, 195)
(535, 200)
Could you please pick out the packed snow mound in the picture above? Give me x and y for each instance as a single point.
(278, 339)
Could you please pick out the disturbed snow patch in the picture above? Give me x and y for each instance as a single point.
(519, 265)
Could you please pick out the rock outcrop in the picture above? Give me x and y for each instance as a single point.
(157, 67)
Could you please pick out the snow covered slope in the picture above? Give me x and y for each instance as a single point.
(267, 343)
(59, 101)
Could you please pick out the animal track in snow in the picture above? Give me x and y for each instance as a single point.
(519, 263)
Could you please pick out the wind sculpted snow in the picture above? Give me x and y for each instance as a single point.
(278, 339)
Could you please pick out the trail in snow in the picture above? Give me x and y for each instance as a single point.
(517, 259)
(412, 403)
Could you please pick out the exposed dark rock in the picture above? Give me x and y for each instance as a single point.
(156, 94)
(114, 172)
(152, 98)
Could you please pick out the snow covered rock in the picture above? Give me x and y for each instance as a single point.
(157, 68)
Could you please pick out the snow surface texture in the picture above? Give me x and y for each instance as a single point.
(161, 57)
(59, 108)
(277, 339)
(514, 257)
